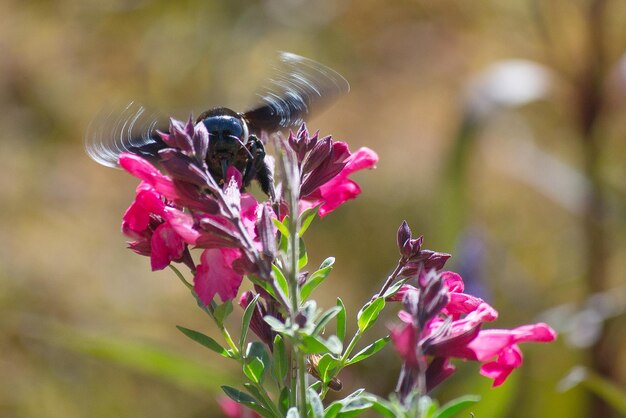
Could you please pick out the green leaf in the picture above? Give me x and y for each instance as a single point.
(256, 393)
(245, 323)
(256, 362)
(280, 362)
(306, 218)
(204, 340)
(256, 349)
(313, 345)
(332, 410)
(222, 311)
(317, 408)
(370, 350)
(326, 367)
(253, 369)
(304, 258)
(237, 395)
(283, 243)
(247, 400)
(384, 408)
(368, 315)
(277, 325)
(393, 289)
(281, 280)
(325, 319)
(456, 405)
(284, 231)
(352, 405)
(317, 278)
(341, 320)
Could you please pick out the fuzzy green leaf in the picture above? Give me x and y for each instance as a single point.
(317, 278)
(280, 362)
(455, 406)
(325, 319)
(204, 340)
(370, 350)
(341, 320)
(245, 323)
(368, 315)
(306, 218)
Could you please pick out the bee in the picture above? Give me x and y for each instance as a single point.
(312, 367)
(298, 87)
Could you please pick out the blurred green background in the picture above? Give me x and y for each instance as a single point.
(501, 137)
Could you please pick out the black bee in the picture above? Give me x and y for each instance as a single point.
(298, 87)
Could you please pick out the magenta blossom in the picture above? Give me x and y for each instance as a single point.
(186, 206)
(324, 166)
(340, 188)
(145, 222)
(216, 275)
(441, 322)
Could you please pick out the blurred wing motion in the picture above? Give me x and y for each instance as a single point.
(132, 129)
(299, 87)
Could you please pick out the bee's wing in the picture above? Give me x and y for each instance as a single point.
(129, 128)
(299, 87)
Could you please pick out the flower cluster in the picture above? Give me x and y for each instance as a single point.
(180, 204)
(440, 322)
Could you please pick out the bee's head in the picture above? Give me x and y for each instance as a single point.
(228, 134)
(227, 128)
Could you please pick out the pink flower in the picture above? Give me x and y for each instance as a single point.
(216, 275)
(154, 237)
(340, 188)
(148, 173)
(454, 331)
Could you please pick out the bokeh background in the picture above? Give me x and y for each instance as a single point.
(501, 134)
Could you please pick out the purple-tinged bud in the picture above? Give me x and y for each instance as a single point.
(181, 167)
(180, 135)
(434, 260)
(302, 278)
(403, 236)
(190, 196)
(200, 141)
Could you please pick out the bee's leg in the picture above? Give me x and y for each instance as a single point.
(258, 170)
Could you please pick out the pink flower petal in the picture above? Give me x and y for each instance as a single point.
(499, 370)
(215, 275)
(453, 281)
(490, 343)
(166, 246)
(148, 173)
(340, 188)
(183, 224)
